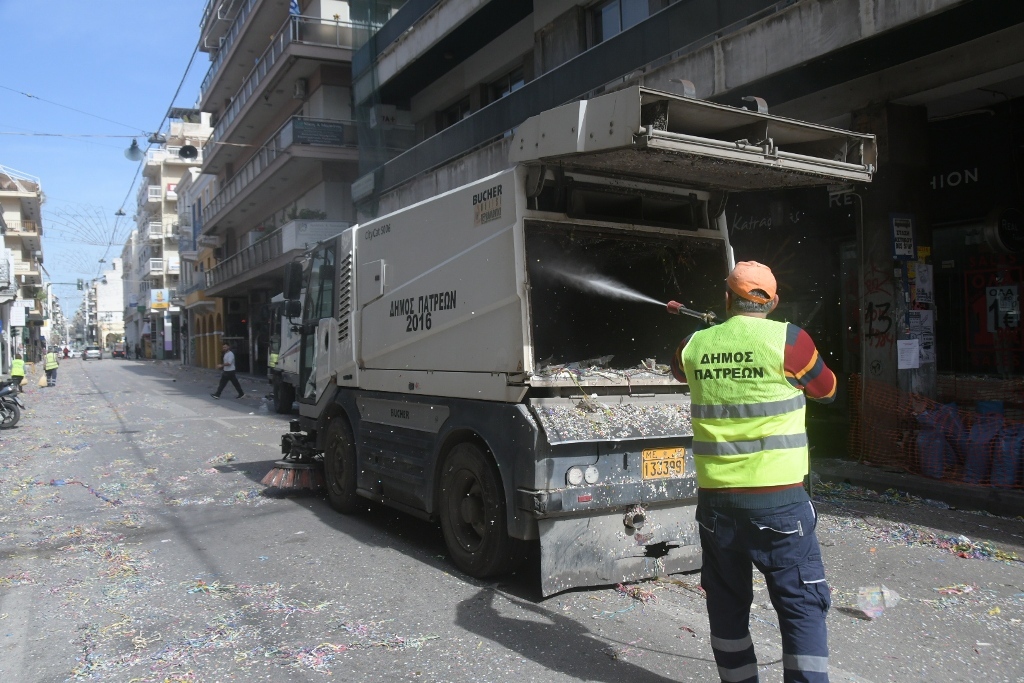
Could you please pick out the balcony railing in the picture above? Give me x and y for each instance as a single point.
(154, 231)
(22, 228)
(161, 154)
(225, 44)
(154, 266)
(306, 30)
(297, 130)
(297, 236)
(265, 250)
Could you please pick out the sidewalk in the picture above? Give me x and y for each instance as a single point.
(998, 501)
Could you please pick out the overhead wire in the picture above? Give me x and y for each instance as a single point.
(79, 111)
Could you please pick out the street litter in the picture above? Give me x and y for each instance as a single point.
(874, 600)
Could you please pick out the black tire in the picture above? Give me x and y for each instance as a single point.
(284, 396)
(340, 466)
(471, 504)
(12, 417)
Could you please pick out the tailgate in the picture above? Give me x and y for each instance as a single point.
(643, 133)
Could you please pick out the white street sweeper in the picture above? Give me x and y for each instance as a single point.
(461, 360)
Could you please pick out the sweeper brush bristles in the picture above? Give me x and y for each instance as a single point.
(292, 476)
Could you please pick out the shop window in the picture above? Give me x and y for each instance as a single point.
(615, 16)
(453, 114)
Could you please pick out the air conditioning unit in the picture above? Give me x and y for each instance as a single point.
(301, 86)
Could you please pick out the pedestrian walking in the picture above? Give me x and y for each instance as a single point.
(227, 373)
(749, 379)
(18, 371)
(52, 363)
(138, 352)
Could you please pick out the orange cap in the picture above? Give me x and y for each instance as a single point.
(751, 275)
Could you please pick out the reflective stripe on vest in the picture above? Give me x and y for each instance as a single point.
(18, 367)
(748, 420)
(51, 361)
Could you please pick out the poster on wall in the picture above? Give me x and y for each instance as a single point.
(922, 328)
(903, 248)
(925, 284)
(992, 297)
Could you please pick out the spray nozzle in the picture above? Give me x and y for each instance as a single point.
(676, 308)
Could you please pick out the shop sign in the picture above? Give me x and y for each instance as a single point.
(159, 299)
(903, 247)
(310, 132)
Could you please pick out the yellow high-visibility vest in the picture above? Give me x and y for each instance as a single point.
(748, 420)
(272, 360)
(18, 367)
(51, 361)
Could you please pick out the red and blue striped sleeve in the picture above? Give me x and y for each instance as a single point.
(805, 368)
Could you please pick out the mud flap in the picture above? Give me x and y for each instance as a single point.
(600, 549)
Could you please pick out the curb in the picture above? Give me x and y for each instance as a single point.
(997, 501)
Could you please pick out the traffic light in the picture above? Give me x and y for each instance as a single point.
(81, 283)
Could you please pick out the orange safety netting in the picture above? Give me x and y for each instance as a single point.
(974, 434)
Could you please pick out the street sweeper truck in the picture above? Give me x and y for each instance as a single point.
(492, 358)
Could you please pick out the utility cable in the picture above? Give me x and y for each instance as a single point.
(79, 111)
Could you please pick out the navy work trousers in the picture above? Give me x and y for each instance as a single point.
(781, 543)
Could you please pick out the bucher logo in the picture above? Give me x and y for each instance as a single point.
(487, 205)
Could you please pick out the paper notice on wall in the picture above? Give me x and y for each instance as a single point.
(908, 353)
(922, 328)
(925, 290)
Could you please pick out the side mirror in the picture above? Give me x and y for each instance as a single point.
(293, 308)
(293, 280)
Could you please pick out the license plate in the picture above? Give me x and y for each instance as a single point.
(662, 463)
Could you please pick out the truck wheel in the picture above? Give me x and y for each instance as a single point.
(340, 466)
(473, 517)
(284, 396)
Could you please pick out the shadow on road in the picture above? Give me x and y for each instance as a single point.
(552, 640)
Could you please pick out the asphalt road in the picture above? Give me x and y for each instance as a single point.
(135, 545)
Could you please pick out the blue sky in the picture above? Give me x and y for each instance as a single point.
(115, 59)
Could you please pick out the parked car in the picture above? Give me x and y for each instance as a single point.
(92, 352)
(118, 351)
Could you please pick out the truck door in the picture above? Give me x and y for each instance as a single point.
(317, 321)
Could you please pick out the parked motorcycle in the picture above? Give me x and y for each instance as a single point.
(10, 405)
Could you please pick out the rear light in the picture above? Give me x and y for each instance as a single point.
(574, 477)
(591, 474)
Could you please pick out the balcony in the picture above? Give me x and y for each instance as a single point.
(260, 265)
(162, 155)
(283, 165)
(153, 231)
(153, 266)
(149, 193)
(295, 52)
(225, 42)
(28, 231)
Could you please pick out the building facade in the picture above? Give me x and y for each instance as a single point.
(283, 152)
(153, 266)
(23, 305)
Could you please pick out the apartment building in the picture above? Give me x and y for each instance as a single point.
(21, 262)
(150, 257)
(106, 306)
(284, 148)
(941, 84)
(203, 320)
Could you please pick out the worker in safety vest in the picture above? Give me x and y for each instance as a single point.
(749, 379)
(275, 346)
(18, 371)
(51, 368)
